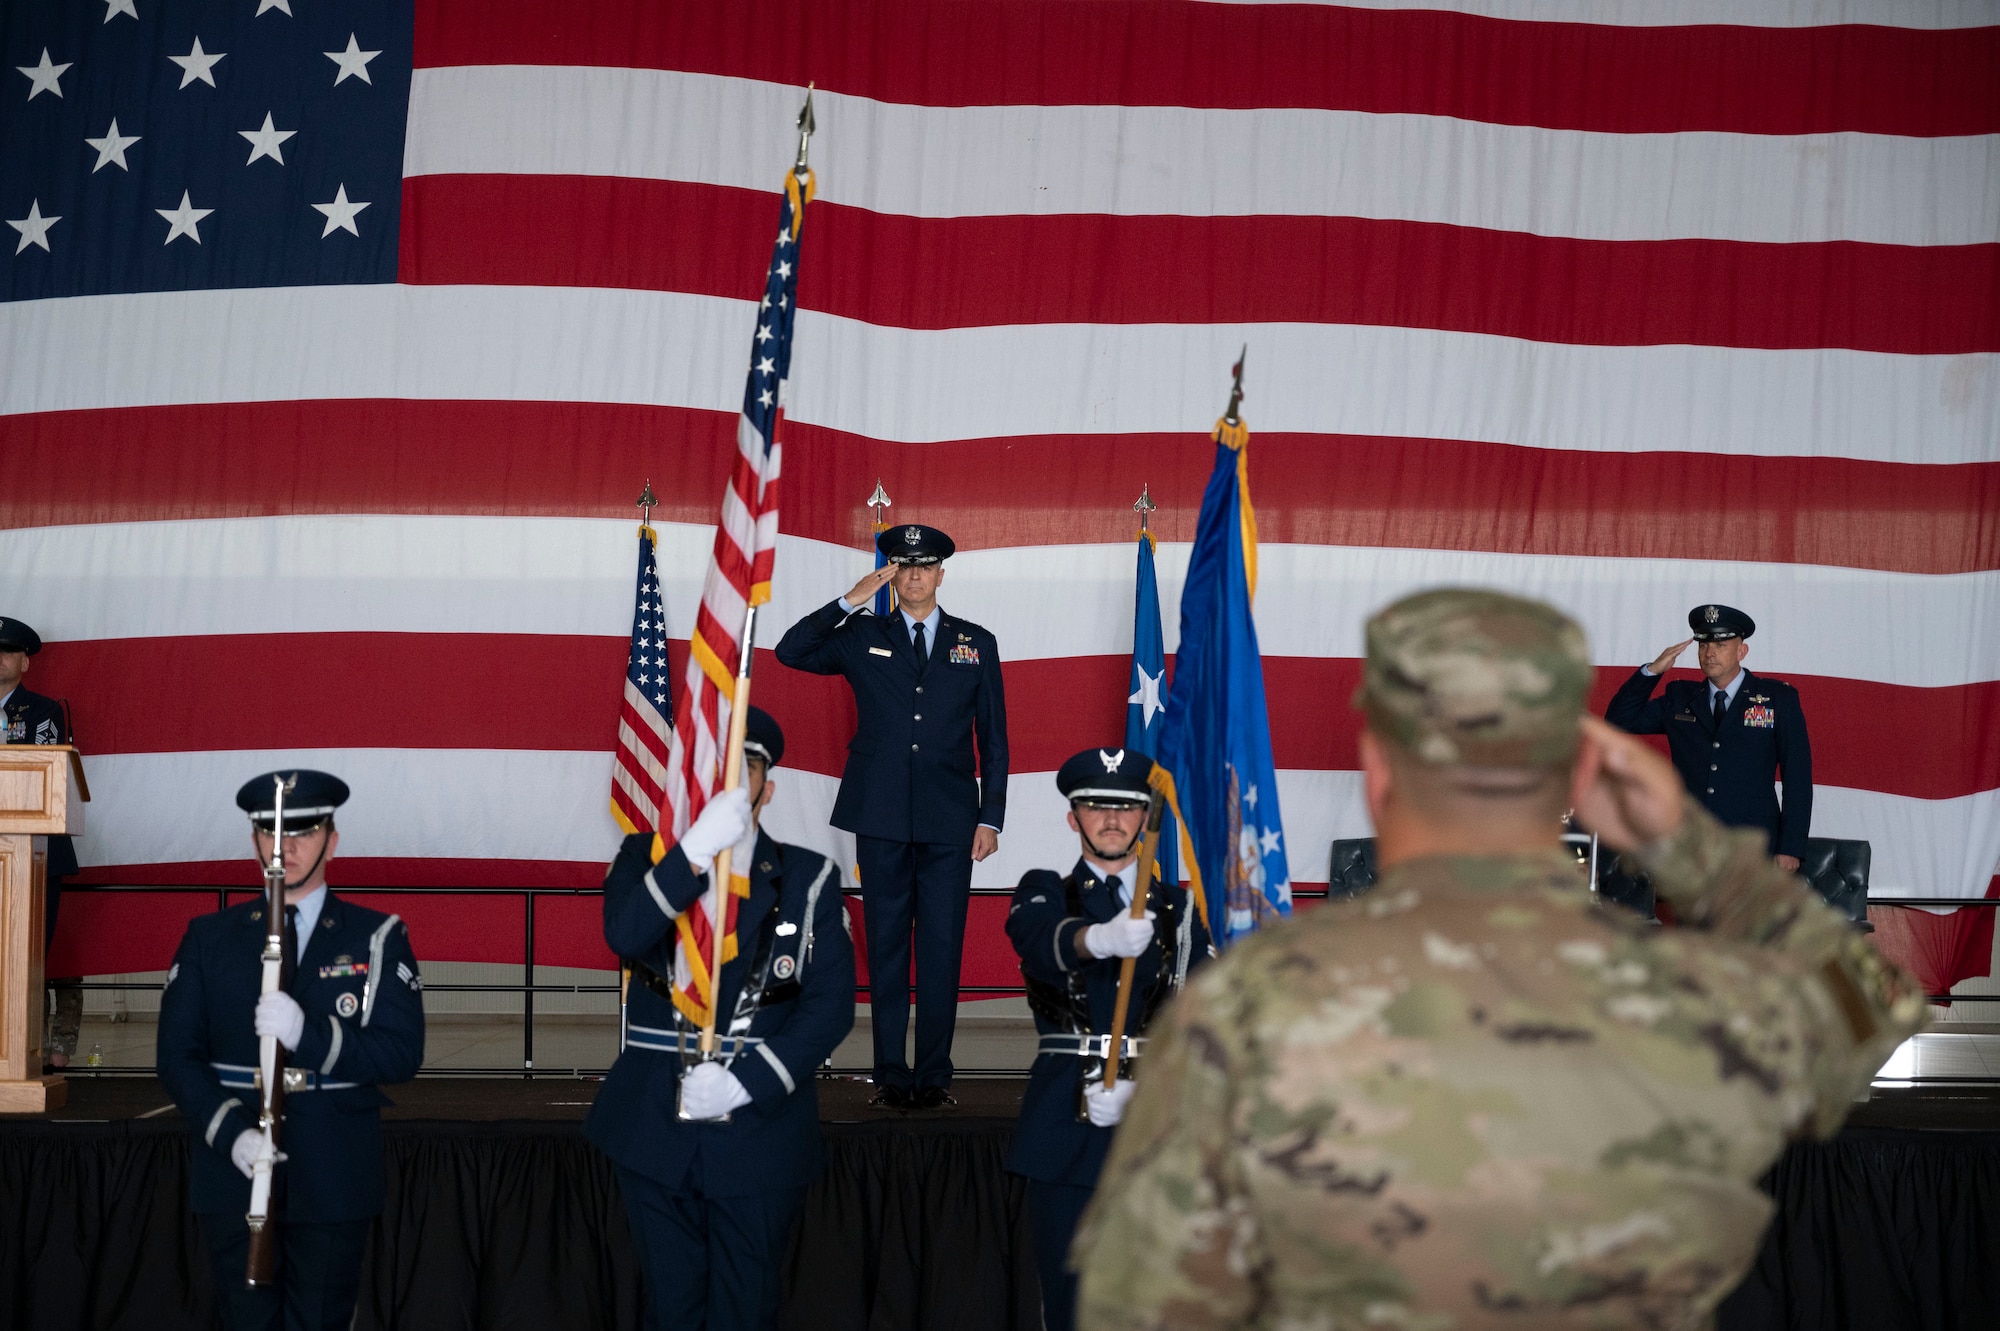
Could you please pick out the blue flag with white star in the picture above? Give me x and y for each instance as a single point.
(1145, 709)
(1215, 739)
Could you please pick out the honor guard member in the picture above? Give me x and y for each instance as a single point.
(924, 792)
(32, 718)
(1730, 733)
(1073, 934)
(1474, 1098)
(351, 1018)
(712, 1197)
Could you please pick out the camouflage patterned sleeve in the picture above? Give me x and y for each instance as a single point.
(1723, 882)
(1169, 1239)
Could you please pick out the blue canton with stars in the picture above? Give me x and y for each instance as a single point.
(771, 350)
(149, 146)
(646, 663)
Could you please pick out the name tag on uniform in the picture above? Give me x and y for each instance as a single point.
(1685, 716)
(963, 655)
(880, 651)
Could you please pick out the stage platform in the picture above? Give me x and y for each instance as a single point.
(501, 1216)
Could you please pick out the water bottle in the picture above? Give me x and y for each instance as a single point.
(96, 1059)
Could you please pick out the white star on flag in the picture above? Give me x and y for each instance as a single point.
(284, 6)
(113, 8)
(767, 366)
(34, 228)
(1148, 696)
(339, 214)
(44, 77)
(1250, 798)
(264, 142)
(1269, 840)
(183, 220)
(353, 62)
(197, 64)
(111, 148)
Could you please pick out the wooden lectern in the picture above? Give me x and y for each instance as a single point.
(41, 795)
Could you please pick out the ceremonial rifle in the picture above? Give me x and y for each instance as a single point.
(1149, 851)
(261, 1270)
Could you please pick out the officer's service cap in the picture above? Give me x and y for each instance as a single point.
(18, 637)
(1715, 623)
(763, 739)
(1472, 678)
(914, 543)
(311, 800)
(1106, 776)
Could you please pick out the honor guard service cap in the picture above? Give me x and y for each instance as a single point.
(763, 739)
(311, 800)
(1470, 678)
(1106, 776)
(914, 543)
(1714, 623)
(18, 637)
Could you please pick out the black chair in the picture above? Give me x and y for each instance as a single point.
(1839, 871)
(1353, 869)
(1351, 873)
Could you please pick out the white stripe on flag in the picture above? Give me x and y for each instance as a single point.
(894, 158)
(543, 805)
(430, 574)
(580, 344)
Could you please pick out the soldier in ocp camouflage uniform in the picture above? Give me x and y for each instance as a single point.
(1473, 1099)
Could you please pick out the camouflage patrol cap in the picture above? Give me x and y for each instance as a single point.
(1476, 678)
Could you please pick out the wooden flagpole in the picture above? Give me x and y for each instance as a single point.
(1149, 852)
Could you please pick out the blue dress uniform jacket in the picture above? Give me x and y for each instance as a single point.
(1730, 770)
(1052, 1145)
(34, 718)
(910, 773)
(793, 919)
(358, 984)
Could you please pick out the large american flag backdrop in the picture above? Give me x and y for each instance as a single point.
(1630, 304)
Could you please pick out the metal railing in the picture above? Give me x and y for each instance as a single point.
(528, 988)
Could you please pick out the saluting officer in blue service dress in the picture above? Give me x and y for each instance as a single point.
(1072, 934)
(924, 792)
(1730, 733)
(351, 1018)
(27, 717)
(712, 1200)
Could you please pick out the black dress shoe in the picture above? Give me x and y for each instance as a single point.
(890, 1097)
(935, 1097)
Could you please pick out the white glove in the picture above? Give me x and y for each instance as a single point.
(710, 1090)
(1120, 937)
(744, 852)
(243, 1151)
(1107, 1108)
(279, 1014)
(721, 824)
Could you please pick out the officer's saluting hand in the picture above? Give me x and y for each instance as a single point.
(924, 791)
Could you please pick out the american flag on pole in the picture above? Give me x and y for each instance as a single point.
(639, 782)
(739, 576)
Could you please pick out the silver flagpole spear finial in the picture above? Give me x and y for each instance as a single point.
(1234, 415)
(647, 504)
(878, 501)
(1144, 507)
(805, 128)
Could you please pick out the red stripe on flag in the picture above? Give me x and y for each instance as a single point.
(534, 459)
(325, 690)
(1616, 79)
(911, 272)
